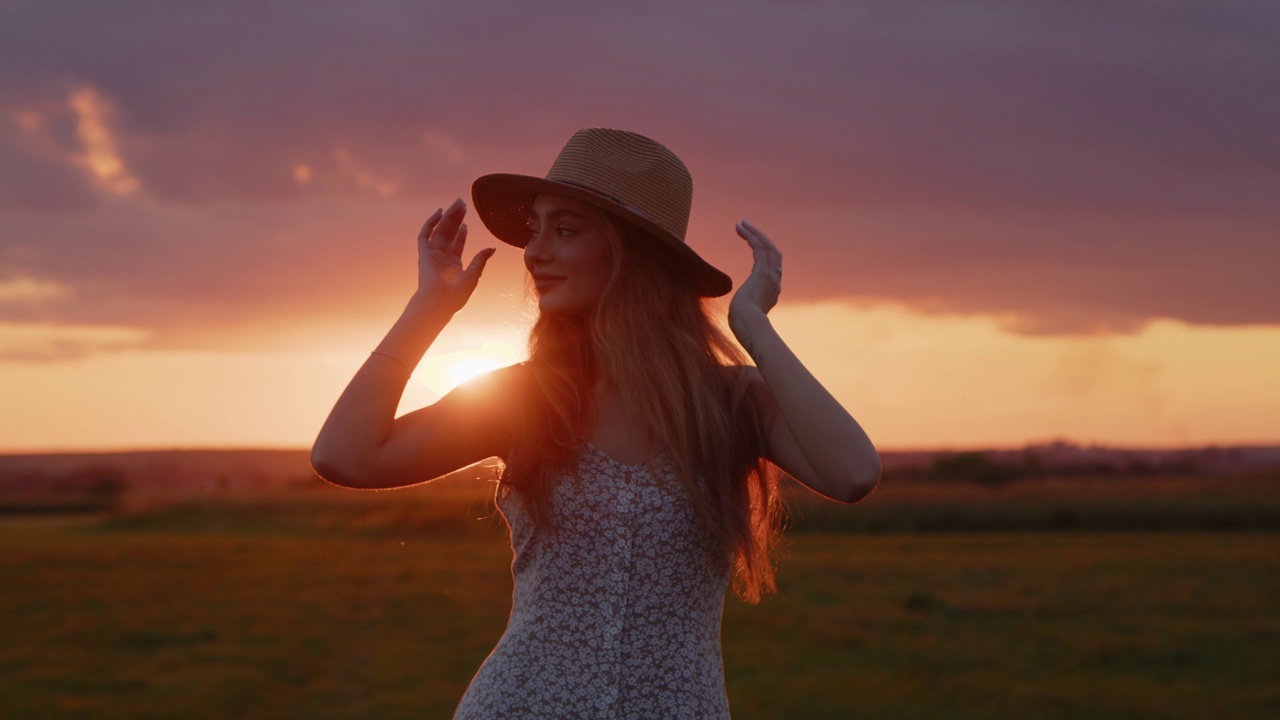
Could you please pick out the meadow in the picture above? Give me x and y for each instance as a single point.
(933, 601)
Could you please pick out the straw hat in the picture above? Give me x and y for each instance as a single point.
(625, 174)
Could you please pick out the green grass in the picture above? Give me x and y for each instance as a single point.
(1037, 625)
(369, 614)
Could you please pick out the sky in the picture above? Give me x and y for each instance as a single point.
(1002, 223)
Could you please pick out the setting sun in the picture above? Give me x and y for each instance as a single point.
(466, 368)
(442, 373)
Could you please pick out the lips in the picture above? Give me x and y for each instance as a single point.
(546, 282)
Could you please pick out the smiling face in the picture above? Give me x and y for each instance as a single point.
(569, 254)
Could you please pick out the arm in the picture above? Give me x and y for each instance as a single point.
(362, 443)
(812, 437)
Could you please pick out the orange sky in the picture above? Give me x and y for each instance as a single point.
(1001, 225)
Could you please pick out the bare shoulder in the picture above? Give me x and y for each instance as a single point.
(487, 405)
(477, 420)
(506, 384)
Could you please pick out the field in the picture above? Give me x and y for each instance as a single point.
(381, 605)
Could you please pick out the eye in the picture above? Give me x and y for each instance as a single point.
(565, 231)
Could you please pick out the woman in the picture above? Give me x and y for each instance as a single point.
(638, 443)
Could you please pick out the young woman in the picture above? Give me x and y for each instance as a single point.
(639, 445)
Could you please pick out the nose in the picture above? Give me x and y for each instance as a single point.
(537, 250)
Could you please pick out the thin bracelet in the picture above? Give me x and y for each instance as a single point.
(393, 359)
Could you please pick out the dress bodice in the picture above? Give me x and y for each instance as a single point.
(616, 609)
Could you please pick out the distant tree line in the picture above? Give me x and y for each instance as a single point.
(999, 469)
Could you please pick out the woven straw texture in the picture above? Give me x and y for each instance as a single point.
(622, 172)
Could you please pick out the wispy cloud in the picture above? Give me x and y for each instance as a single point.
(101, 155)
(28, 342)
(26, 290)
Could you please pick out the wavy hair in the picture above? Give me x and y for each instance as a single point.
(685, 396)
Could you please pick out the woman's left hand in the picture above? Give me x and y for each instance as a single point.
(759, 292)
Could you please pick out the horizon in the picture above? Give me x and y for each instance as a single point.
(1046, 446)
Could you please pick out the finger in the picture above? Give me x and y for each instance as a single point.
(745, 233)
(479, 261)
(442, 234)
(430, 224)
(758, 252)
(772, 253)
(760, 237)
(459, 242)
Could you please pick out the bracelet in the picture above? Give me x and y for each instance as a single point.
(393, 359)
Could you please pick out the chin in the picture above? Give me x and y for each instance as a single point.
(553, 306)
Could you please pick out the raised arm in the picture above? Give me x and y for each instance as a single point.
(812, 437)
(362, 443)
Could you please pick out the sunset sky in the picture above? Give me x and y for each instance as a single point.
(1003, 223)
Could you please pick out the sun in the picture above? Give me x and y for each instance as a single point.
(467, 367)
(441, 372)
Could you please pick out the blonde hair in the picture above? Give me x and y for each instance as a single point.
(685, 396)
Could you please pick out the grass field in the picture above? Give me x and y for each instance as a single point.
(373, 612)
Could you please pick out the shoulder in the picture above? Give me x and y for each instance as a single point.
(480, 418)
(504, 380)
(500, 391)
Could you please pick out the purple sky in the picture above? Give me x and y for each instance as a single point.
(1077, 166)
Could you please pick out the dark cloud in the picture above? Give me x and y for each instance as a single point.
(1075, 166)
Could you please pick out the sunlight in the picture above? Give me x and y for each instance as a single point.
(442, 372)
(463, 369)
(918, 380)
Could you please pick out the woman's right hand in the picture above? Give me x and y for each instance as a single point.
(442, 281)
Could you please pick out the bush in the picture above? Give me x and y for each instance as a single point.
(973, 467)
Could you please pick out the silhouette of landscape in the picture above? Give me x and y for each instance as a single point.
(1052, 486)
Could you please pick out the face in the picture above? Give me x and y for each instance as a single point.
(568, 254)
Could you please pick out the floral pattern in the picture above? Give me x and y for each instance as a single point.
(616, 612)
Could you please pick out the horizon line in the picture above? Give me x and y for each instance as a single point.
(899, 450)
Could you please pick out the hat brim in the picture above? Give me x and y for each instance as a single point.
(503, 201)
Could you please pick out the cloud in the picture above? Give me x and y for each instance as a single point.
(1080, 167)
(27, 342)
(101, 156)
(23, 290)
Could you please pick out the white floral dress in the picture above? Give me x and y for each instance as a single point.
(615, 614)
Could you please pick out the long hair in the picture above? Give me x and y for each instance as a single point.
(653, 337)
